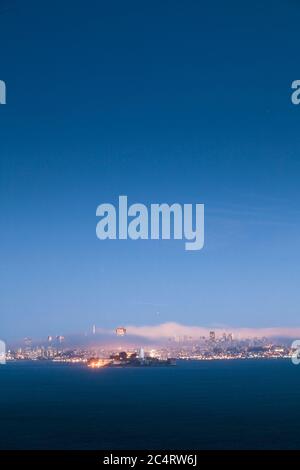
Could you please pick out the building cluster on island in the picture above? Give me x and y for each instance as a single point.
(213, 347)
(131, 359)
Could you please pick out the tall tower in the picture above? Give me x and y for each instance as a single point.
(94, 329)
(142, 354)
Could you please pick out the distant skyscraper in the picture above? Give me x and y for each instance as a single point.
(28, 342)
(212, 335)
(94, 329)
(28, 345)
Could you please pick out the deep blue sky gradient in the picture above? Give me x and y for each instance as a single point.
(165, 101)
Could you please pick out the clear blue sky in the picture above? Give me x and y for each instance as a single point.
(165, 101)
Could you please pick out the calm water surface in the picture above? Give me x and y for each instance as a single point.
(195, 405)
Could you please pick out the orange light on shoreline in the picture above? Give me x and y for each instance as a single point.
(98, 363)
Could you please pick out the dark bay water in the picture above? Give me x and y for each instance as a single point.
(195, 405)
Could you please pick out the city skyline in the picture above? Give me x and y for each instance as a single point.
(156, 334)
(97, 350)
